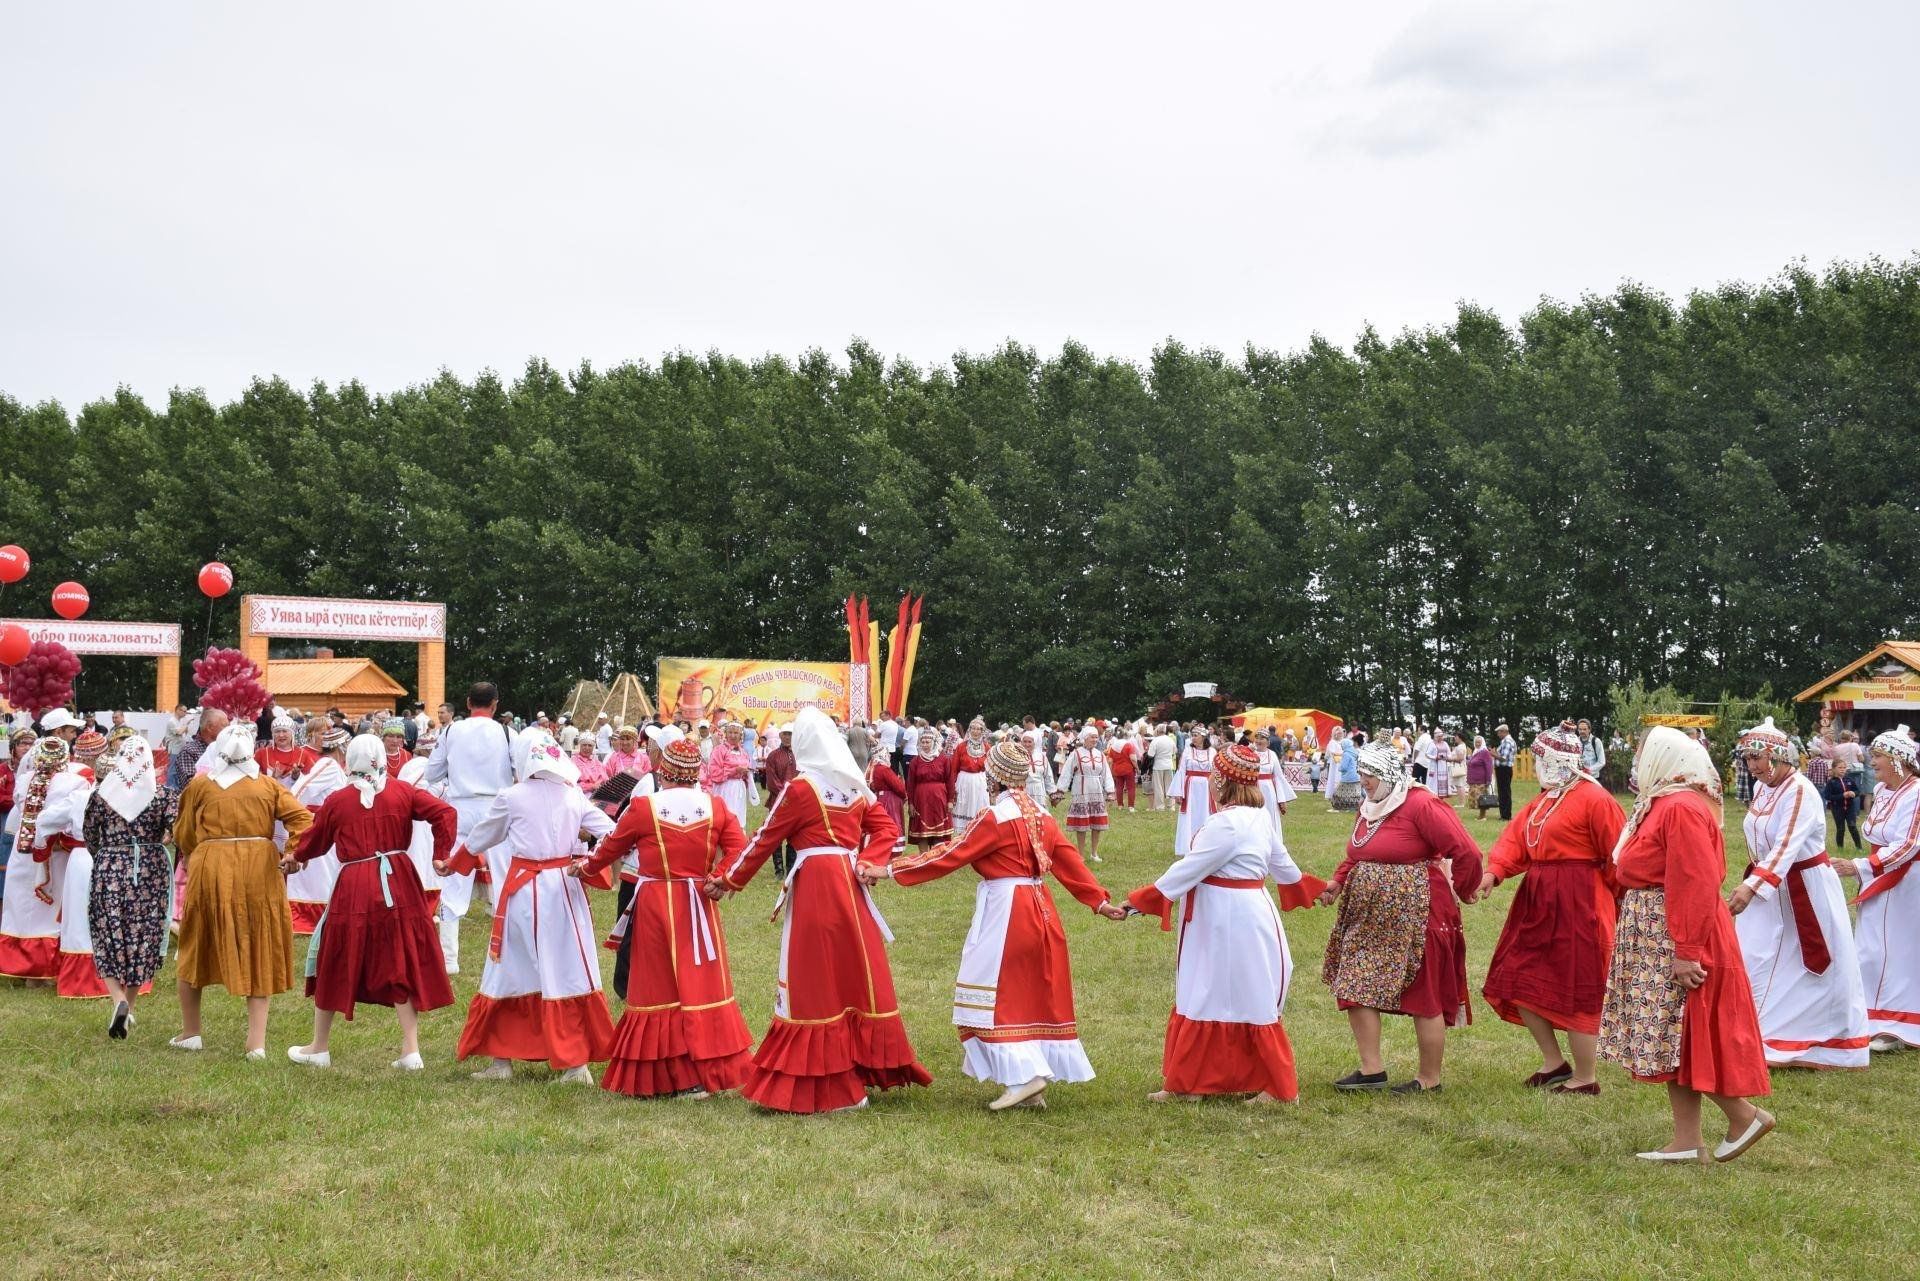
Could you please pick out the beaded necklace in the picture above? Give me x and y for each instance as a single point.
(1536, 827)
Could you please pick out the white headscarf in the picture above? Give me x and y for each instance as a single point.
(232, 754)
(820, 754)
(128, 786)
(1381, 761)
(1668, 762)
(367, 767)
(540, 754)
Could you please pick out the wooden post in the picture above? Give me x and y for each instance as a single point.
(166, 682)
(433, 674)
(254, 647)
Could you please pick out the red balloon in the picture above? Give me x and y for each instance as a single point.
(14, 563)
(70, 600)
(216, 580)
(14, 643)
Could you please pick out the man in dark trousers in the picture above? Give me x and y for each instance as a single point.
(1503, 753)
(779, 771)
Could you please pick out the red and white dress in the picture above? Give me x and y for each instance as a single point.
(970, 780)
(1795, 935)
(1554, 950)
(1013, 999)
(285, 765)
(1888, 934)
(376, 944)
(836, 1027)
(36, 879)
(930, 794)
(63, 820)
(540, 995)
(1275, 788)
(420, 848)
(309, 888)
(1192, 796)
(1233, 966)
(682, 1028)
(1087, 780)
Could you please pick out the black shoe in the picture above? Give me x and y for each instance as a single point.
(117, 1029)
(1414, 1087)
(1358, 1080)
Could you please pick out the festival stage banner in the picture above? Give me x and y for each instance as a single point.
(88, 637)
(753, 691)
(320, 618)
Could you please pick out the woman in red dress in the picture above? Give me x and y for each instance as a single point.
(1396, 946)
(1549, 970)
(681, 1032)
(1679, 1007)
(930, 791)
(836, 1029)
(376, 943)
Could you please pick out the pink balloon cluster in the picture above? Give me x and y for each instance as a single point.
(43, 680)
(229, 681)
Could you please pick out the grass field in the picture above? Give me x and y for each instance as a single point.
(129, 1160)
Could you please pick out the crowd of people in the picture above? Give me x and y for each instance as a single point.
(376, 837)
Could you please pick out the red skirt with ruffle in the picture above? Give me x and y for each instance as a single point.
(1206, 1057)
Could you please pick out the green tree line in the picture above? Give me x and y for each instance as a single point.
(1469, 522)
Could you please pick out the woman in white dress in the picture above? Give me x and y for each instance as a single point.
(1791, 916)
(1276, 793)
(1192, 790)
(309, 888)
(1233, 966)
(1336, 748)
(1888, 934)
(970, 782)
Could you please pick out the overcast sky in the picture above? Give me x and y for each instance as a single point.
(198, 194)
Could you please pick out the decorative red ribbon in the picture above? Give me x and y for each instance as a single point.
(520, 874)
(1813, 944)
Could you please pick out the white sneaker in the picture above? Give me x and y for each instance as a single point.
(257, 1056)
(301, 1054)
(186, 1043)
(500, 1071)
(410, 1062)
(582, 1075)
(1017, 1094)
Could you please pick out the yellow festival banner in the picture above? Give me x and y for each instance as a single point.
(750, 690)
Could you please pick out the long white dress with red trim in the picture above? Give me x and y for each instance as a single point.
(420, 843)
(1888, 933)
(1013, 999)
(65, 815)
(1233, 965)
(836, 1027)
(540, 995)
(1193, 796)
(36, 880)
(969, 781)
(1795, 935)
(1087, 780)
(681, 1028)
(309, 888)
(1275, 789)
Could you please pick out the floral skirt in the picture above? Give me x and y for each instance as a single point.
(1380, 935)
(1640, 1025)
(1346, 796)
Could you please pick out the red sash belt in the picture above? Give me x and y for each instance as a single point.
(1813, 944)
(520, 874)
(1236, 882)
(1883, 883)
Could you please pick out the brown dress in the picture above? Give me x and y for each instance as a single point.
(235, 928)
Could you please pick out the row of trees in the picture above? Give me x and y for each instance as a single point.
(1467, 522)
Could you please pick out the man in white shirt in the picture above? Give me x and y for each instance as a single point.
(602, 737)
(473, 760)
(1162, 750)
(569, 735)
(1422, 754)
(889, 740)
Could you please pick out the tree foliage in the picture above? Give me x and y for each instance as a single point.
(1472, 522)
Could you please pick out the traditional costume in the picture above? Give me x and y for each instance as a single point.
(1232, 965)
(36, 871)
(1276, 790)
(1889, 929)
(1013, 999)
(235, 930)
(309, 888)
(1794, 933)
(473, 761)
(1192, 793)
(725, 774)
(79, 978)
(420, 844)
(836, 1027)
(1039, 770)
(1397, 945)
(1088, 782)
(284, 764)
(1671, 860)
(1554, 950)
(891, 791)
(376, 943)
(931, 787)
(1337, 749)
(681, 1031)
(540, 994)
(970, 778)
(129, 822)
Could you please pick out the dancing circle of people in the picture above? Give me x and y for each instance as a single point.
(1618, 939)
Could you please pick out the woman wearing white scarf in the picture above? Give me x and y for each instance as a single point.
(1679, 1009)
(310, 885)
(836, 1029)
(235, 928)
(970, 778)
(1397, 945)
(1889, 902)
(128, 823)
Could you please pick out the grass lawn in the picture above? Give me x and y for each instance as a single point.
(129, 1160)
